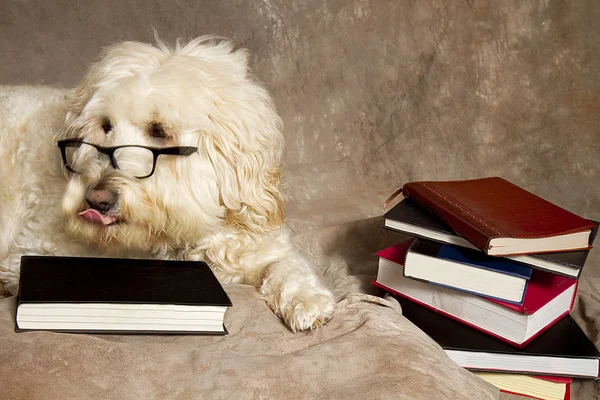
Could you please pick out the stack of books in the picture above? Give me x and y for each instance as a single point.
(491, 274)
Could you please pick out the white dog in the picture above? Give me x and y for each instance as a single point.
(197, 178)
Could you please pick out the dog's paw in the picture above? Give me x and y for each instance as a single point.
(308, 310)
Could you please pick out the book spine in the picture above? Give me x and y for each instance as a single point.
(476, 231)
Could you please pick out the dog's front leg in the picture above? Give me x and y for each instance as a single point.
(286, 279)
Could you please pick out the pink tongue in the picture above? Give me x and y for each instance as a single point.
(96, 217)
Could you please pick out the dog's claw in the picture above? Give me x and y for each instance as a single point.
(320, 321)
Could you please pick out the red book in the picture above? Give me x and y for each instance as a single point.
(548, 298)
(501, 218)
(543, 287)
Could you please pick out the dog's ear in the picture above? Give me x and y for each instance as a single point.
(245, 147)
(244, 143)
(242, 136)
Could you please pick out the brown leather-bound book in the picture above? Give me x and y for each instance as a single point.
(501, 218)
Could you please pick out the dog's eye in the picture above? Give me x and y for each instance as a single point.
(106, 125)
(156, 130)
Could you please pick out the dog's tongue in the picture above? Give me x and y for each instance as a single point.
(92, 215)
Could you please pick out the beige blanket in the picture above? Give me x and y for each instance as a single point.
(367, 351)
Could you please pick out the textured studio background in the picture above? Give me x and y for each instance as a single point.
(375, 93)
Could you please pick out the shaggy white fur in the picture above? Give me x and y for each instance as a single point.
(221, 204)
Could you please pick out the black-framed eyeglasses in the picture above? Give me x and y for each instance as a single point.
(135, 160)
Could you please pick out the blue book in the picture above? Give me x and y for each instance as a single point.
(480, 260)
(467, 270)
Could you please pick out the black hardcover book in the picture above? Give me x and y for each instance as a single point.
(118, 295)
(410, 218)
(563, 350)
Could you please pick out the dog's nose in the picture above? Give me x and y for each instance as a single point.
(101, 199)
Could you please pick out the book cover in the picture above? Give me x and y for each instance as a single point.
(413, 219)
(118, 280)
(480, 260)
(563, 350)
(541, 289)
(397, 252)
(493, 214)
(89, 282)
